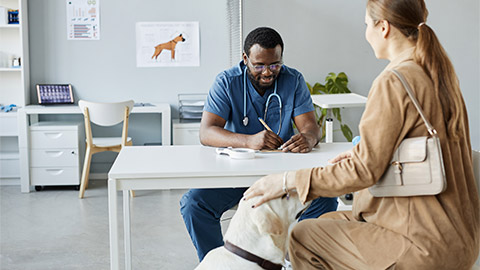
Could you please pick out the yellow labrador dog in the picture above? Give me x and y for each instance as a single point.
(256, 236)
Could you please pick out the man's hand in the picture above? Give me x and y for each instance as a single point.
(307, 137)
(300, 143)
(264, 140)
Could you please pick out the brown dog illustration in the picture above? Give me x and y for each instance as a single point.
(168, 46)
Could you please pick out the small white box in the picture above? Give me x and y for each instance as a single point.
(3, 15)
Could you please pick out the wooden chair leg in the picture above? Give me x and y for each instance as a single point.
(85, 172)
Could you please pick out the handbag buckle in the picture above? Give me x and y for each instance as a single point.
(398, 166)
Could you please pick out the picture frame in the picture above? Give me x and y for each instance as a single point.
(54, 94)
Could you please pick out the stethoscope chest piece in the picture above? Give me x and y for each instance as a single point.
(245, 121)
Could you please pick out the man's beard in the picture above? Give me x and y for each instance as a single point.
(256, 82)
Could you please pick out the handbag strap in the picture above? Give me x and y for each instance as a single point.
(429, 126)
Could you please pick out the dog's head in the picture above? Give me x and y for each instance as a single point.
(275, 217)
(179, 38)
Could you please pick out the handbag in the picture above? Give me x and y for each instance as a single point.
(416, 167)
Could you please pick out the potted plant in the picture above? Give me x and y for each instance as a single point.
(334, 84)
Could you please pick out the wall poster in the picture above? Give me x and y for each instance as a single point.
(168, 44)
(83, 19)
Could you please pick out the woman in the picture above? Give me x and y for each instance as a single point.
(422, 232)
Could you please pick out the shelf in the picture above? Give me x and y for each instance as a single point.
(8, 124)
(9, 155)
(10, 26)
(11, 69)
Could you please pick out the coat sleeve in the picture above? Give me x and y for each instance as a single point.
(382, 128)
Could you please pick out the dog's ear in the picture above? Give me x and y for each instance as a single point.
(180, 34)
(267, 221)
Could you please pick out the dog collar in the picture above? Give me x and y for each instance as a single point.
(265, 264)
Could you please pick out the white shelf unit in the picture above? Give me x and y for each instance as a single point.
(14, 88)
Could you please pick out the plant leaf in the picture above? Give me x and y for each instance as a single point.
(324, 112)
(336, 113)
(310, 88)
(318, 88)
(347, 132)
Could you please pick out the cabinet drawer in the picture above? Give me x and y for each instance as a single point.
(186, 136)
(9, 168)
(60, 176)
(54, 139)
(54, 157)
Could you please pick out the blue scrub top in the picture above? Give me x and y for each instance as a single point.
(225, 99)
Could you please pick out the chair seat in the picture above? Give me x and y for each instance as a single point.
(108, 141)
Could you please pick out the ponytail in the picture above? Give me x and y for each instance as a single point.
(431, 56)
(409, 17)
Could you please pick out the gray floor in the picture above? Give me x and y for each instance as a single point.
(53, 229)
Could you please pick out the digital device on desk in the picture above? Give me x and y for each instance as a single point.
(49, 94)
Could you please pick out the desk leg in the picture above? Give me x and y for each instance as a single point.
(113, 221)
(126, 228)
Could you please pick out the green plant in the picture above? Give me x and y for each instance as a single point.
(334, 84)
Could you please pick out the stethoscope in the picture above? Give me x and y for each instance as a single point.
(274, 94)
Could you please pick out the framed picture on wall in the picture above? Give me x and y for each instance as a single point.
(54, 94)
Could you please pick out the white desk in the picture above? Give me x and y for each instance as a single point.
(29, 115)
(192, 166)
(337, 101)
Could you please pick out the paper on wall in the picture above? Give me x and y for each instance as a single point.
(167, 44)
(83, 19)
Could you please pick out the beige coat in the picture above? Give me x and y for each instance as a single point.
(443, 229)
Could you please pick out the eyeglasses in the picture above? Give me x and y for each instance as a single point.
(262, 68)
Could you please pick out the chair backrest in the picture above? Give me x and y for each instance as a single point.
(106, 114)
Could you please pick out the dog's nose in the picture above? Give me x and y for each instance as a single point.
(183, 39)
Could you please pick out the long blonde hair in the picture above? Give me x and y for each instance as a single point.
(409, 16)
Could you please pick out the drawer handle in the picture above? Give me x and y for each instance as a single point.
(54, 153)
(55, 171)
(53, 135)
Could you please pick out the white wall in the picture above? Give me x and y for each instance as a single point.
(323, 36)
(106, 69)
(320, 36)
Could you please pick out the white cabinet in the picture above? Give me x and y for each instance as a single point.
(186, 133)
(57, 153)
(14, 87)
(9, 156)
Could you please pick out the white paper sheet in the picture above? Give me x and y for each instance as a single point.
(83, 19)
(157, 40)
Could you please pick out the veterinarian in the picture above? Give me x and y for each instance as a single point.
(418, 232)
(260, 86)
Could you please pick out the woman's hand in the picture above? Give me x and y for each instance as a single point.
(268, 187)
(345, 155)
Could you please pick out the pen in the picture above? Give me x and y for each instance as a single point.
(264, 124)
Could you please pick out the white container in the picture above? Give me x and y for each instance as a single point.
(329, 130)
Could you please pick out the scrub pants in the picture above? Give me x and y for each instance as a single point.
(202, 208)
